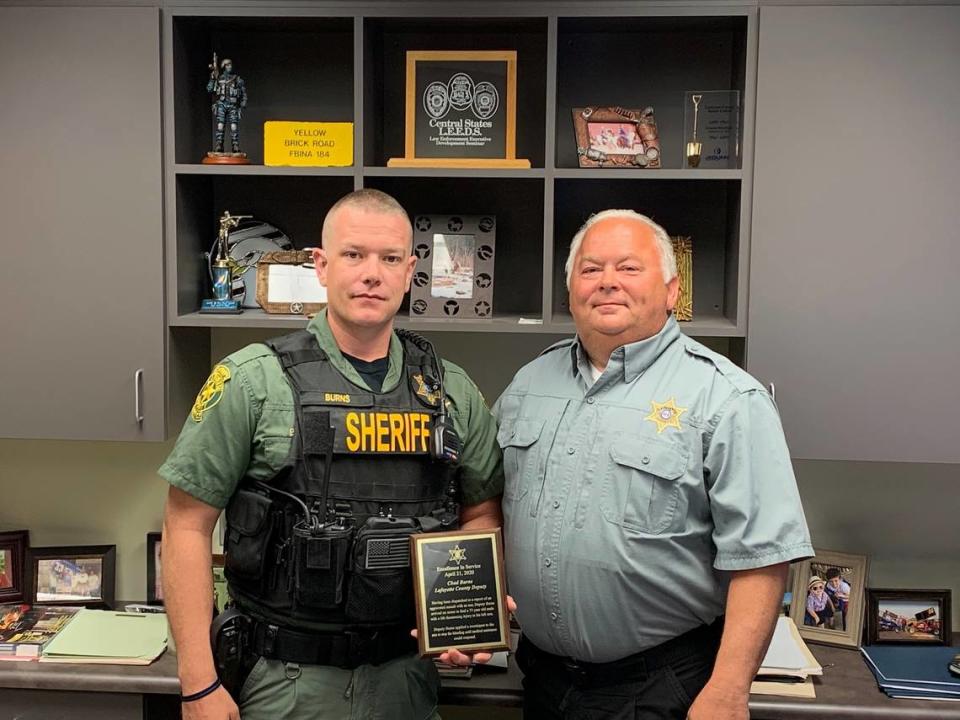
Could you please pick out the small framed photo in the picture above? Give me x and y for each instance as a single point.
(455, 262)
(919, 617)
(616, 137)
(13, 557)
(828, 598)
(154, 571)
(220, 594)
(77, 575)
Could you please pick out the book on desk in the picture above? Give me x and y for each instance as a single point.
(25, 631)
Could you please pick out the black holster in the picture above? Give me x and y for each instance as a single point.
(230, 638)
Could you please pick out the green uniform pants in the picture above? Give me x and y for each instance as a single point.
(403, 689)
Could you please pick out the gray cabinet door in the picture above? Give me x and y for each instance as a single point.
(854, 290)
(80, 207)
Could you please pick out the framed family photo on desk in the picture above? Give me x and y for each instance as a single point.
(13, 552)
(77, 575)
(828, 598)
(917, 617)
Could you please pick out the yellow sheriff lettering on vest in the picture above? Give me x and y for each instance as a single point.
(211, 392)
(387, 432)
(666, 415)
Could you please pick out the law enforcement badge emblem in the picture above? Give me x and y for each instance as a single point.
(458, 554)
(665, 415)
(486, 101)
(423, 392)
(435, 100)
(460, 91)
(210, 393)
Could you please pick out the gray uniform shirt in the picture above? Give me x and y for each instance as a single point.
(626, 499)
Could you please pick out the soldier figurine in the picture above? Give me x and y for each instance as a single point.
(229, 99)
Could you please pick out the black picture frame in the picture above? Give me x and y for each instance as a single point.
(461, 287)
(154, 574)
(885, 624)
(13, 561)
(75, 562)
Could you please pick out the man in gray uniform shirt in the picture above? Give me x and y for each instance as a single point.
(650, 506)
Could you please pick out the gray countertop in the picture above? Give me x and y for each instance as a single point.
(846, 690)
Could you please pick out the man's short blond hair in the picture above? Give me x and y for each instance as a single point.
(668, 261)
(370, 200)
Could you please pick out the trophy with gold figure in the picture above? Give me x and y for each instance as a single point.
(222, 270)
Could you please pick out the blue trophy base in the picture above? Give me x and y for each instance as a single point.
(223, 307)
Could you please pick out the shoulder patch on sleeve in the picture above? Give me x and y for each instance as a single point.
(565, 343)
(739, 378)
(211, 392)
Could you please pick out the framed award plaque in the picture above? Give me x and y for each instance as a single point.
(460, 590)
(461, 110)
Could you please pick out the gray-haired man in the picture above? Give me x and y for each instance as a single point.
(649, 492)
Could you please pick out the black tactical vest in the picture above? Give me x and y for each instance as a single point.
(326, 540)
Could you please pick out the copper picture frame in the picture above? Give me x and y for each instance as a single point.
(616, 137)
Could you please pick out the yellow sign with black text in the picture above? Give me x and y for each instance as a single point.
(307, 144)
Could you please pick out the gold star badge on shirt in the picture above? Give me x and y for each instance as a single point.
(421, 389)
(458, 554)
(665, 414)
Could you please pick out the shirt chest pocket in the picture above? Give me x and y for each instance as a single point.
(642, 485)
(518, 440)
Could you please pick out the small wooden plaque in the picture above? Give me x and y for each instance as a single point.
(460, 588)
(296, 295)
(461, 110)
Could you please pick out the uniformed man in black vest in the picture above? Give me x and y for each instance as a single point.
(320, 446)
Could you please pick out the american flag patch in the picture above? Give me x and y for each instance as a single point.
(388, 553)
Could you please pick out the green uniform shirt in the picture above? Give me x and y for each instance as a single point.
(242, 423)
(627, 498)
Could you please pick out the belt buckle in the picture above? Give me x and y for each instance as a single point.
(577, 672)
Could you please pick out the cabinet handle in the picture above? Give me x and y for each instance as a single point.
(137, 398)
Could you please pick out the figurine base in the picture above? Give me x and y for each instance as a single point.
(224, 158)
(221, 307)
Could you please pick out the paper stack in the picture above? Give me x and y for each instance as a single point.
(104, 636)
(912, 671)
(788, 666)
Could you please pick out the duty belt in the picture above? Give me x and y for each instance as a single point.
(347, 649)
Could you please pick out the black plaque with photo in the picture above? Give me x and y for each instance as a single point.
(460, 591)
(461, 113)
